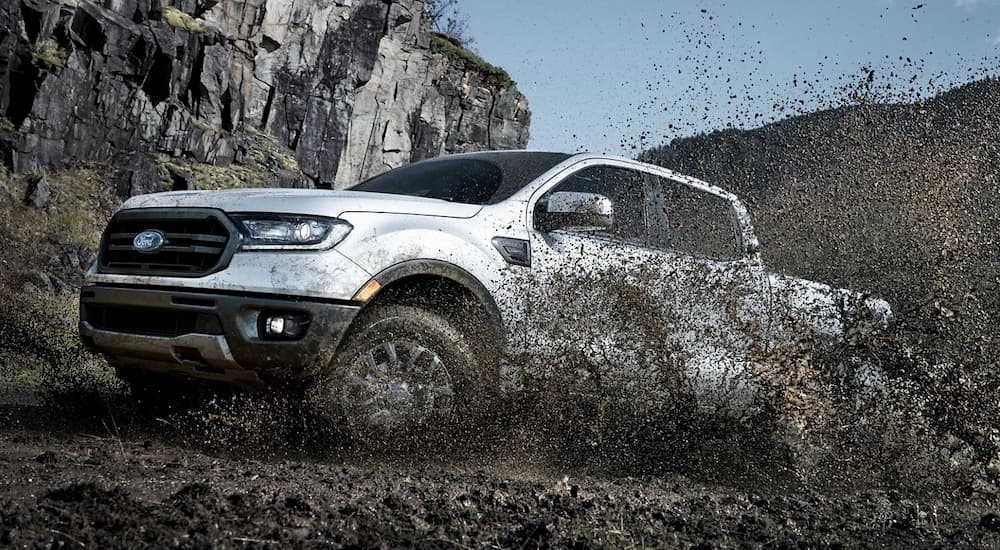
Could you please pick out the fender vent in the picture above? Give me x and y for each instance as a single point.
(196, 242)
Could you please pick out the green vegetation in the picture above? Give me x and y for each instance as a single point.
(40, 348)
(6, 126)
(263, 150)
(448, 47)
(83, 204)
(449, 32)
(206, 127)
(180, 20)
(264, 156)
(201, 125)
(443, 16)
(48, 51)
(209, 176)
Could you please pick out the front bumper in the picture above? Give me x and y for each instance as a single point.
(209, 336)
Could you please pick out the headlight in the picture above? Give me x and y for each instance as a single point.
(281, 232)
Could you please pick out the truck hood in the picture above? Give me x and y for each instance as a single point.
(317, 202)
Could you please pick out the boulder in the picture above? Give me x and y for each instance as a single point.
(39, 194)
(137, 174)
(183, 180)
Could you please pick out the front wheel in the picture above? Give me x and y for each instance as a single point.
(405, 370)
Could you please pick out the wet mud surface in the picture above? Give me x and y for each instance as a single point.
(103, 475)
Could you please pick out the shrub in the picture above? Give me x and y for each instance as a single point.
(180, 20)
(48, 51)
(450, 47)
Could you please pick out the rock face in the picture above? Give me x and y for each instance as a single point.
(350, 87)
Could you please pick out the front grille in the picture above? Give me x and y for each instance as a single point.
(197, 242)
(151, 322)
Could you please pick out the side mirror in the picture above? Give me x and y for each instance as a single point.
(569, 209)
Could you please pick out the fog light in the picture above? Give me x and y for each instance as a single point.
(275, 326)
(283, 326)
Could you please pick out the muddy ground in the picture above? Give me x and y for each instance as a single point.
(110, 472)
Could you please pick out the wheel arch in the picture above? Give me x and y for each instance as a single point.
(442, 287)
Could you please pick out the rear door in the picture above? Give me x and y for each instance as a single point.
(716, 293)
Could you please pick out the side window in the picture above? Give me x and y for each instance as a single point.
(690, 221)
(622, 186)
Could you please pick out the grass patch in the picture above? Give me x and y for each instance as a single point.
(180, 20)
(209, 176)
(265, 151)
(48, 51)
(5, 126)
(206, 176)
(200, 124)
(263, 158)
(492, 75)
(84, 203)
(40, 349)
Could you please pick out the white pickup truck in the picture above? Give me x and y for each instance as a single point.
(398, 299)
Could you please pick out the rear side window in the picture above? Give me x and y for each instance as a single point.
(690, 221)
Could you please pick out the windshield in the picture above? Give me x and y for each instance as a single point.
(480, 178)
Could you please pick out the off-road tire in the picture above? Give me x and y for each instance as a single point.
(472, 377)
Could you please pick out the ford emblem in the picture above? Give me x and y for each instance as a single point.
(148, 241)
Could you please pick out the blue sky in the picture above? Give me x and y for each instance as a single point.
(622, 76)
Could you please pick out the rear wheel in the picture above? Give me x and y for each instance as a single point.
(405, 370)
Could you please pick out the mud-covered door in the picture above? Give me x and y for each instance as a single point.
(715, 294)
(588, 249)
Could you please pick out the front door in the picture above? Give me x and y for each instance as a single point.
(589, 303)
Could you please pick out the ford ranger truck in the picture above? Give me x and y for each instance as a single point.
(396, 301)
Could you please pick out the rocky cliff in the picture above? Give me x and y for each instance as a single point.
(287, 92)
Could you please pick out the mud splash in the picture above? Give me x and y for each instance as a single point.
(76, 480)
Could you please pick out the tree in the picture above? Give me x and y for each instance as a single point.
(444, 17)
